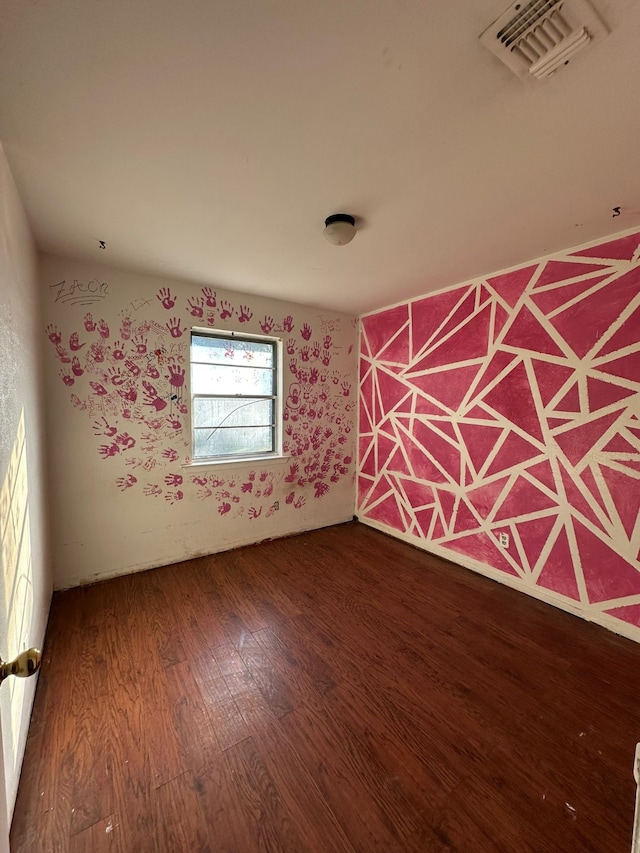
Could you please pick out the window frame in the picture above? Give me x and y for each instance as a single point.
(277, 397)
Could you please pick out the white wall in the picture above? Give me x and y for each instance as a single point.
(25, 579)
(125, 501)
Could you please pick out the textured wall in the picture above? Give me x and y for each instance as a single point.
(512, 404)
(117, 357)
(25, 571)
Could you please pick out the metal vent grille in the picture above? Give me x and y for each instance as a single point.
(537, 38)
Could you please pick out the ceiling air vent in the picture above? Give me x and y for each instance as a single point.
(534, 39)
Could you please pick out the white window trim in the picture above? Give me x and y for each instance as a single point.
(277, 454)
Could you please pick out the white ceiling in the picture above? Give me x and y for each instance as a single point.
(209, 139)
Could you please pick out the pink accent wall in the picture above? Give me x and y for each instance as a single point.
(511, 404)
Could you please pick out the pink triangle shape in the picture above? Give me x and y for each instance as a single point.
(398, 464)
(479, 441)
(577, 442)
(550, 377)
(444, 453)
(426, 407)
(583, 324)
(481, 547)
(367, 392)
(562, 270)
(603, 393)
(554, 423)
(484, 294)
(576, 500)
(446, 428)
(364, 484)
(446, 386)
(438, 529)
(380, 327)
(533, 535)
(423, 517)
(621, 249)
(496, 365)
(392, 391)
(627, 335)
(483, 499)
(428, 314)
(549, 300)
(627, 367)
(447, 501)
(397, 350)
(543, 474)
(522, 499)
(500, 318)
(607, 574)
(418, 494)
(571, 400)
(465, 519)
(590, 482)
(625, 494)
(365, 422)
(511, 285)
(368, 458)
(512, 398)
(619, 444)
(470, 342)
(383, 486)
(385, 447)
(480, 413)
(388, 513)
(462, 312)
(526, 332)
(558, 573)
(630, 614)
(423, 467)
(514, 451)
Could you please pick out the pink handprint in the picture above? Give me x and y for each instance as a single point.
(313, 376)
(247, 487)
(103, 329)
(291, 346)
(53, 334)
(172, 497)
(195, 306)
(170, 454)
(67, 379)
(118, 351)
(129, 394)
(210, 297)
(63, 355)
(267, 325)
(115, 376)
(326, 342)
(244, 314)
(321, 489)
(326, 357)
(315, 349)
(153, 371)
(74, 342)
(104, 428)
(175, 330)
(132, 367)
(98, 389)
(254, 513)
(224, 508)
(299, 502)
(174, 423)
(305, 352)
(226, 309)
(106, 450)
(165, 298)
(152, 490)
(293, 471)
(125, 440)
(293, 366)
(306, 331)
(125, 328)
(96, 351)
(76, 367)
(199, 481)
(287, 324)
(263, 476)
(140, 343)
(126, 482)
(346, 389)
(175, 375)
(89, 322)
(289, 498)
(173, 479)
(151, 397)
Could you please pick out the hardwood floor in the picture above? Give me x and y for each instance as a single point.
(337, 691)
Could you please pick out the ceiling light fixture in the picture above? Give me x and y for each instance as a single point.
(339, 229)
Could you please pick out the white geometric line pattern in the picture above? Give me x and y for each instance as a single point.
(512, 404)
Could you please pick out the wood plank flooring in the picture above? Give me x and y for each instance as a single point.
(334, 692)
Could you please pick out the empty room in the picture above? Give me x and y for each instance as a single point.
(320, 426)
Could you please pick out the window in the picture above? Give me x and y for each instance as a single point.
(235, 399)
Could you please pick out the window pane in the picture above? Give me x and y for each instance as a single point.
(226, 379)
(232, 412)
(234, 441)
(236, 351)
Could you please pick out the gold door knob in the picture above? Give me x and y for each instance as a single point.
(25, 664)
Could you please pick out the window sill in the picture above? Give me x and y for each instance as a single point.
(239, 462)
